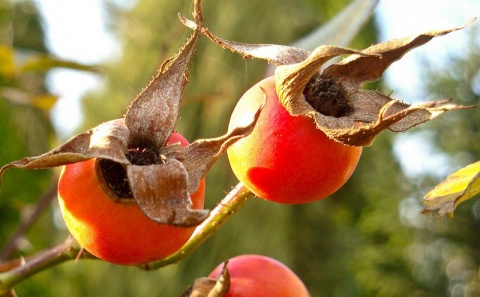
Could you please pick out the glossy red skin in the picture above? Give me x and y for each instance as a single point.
(116, 232)
(286, 159)
(260, 276)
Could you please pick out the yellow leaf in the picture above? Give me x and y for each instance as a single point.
(456, 188)
(44, 102)
(7, 65)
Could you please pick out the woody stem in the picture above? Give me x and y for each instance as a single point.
(17, 271)
(229, 205)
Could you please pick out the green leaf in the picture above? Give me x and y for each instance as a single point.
(342, 28)
(456, 188)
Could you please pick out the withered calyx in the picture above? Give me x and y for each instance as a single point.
(341, 108)
(132, 153)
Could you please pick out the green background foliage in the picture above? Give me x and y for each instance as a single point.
(368, 239)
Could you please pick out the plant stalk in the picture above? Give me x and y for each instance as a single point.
(229, 205)
(20, 270)
(25, 268)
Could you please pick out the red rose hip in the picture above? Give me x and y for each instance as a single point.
(286, 159)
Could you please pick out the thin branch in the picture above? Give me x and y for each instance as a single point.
(18, 271)
(27, 267)
(28, 220)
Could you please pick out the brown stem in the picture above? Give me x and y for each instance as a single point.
(17, 271)
(25, 268)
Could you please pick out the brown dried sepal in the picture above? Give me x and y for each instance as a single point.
(341, 108)
(201, 154)
(209, 287)
(133, 161)
(94, 143)
(157, 184)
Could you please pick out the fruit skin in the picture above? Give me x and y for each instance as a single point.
(116, 232)
(258, 276)
(286, 159)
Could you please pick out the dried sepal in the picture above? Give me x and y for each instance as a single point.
(173, 151)
(366, 68)
(133, 160)
(333, 97)
(161, 193)
(108, 140)
(273, 53)
(376, 110)
(210, 287)
(202, 154)
(295, 77)
(152, 115)
(404, 119)
(347, 103)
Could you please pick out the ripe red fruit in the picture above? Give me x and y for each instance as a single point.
(113, 231)
(286, 159)
(256, 276)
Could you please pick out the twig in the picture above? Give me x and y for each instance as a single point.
(19, 271)
(28, 221)
(65, 251)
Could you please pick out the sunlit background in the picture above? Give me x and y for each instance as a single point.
(78, 30)
(369, 239)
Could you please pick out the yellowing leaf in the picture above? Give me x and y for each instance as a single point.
(7, 64)
(45, 102)
(456, 188)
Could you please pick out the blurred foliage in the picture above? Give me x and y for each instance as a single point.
(25, 123)
(463, 80)
(25, 128)
(21, 26)
(367, 240)
(454, 243)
